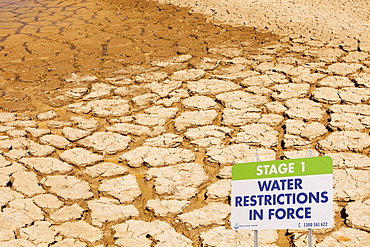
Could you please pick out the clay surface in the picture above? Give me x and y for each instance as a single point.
(120, 121)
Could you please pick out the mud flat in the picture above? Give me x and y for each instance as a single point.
(120, 122)
(324, 20)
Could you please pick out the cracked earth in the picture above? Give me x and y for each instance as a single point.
(120, 122)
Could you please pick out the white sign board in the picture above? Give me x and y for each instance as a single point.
(282, 194)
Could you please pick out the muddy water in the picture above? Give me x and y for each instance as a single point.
(44, 42)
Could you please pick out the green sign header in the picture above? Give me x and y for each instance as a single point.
(283, 168)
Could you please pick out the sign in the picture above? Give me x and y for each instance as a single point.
(282, 194)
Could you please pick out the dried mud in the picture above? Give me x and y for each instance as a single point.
(108, 62)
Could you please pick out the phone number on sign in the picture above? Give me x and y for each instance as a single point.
(313, 224)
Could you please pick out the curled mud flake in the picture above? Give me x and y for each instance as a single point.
(351, 184)
(238, 153)
(67, 213)
(349, 160)
(349, 121)
(208, 131)
(79, 78)
(346, 237)
(266, 80)
(8, 195)
(229, 52)
(225, 172)
(126, 128)
(211, 86)
(80, 230)
(259, 90)
(359, 109)
(199, 103)
(38, 150)
(345, 141)
(164, 207)
(27, 183)
(80, 157)
(102, 107)
(7, 117)
(164, 88)
(145, 99)
(196, 118)
(241, 100)
(271, 119)
(88, 124)
(124, 188)
(219, 190)
(99, 90)
(47, 115)
(311, 130)
(212, 214)
(39, 233)
(120, 80)
(167, 140)
(354, 95)
(326, 95)
(55, 124)
(304, 109)
(155, 115)
(110, 107)
(155, 156)
(47, 201)
(27, 207)
(13, 219)
(15, 154)
(276, 107)
(359, 215)
(182, 58)
(55, 141)
(46, 165)
(38, 132)
(172, 182)
(328, 55)
(188, 75)
(105, 169)
(363, 79)
(290, 90)
(106, 209)
(68, 187)
(151, 77)
(355, 56)
(22, 124)
(4, 180)
(236, 117)
(336, 82)
(73, 134)
(292, 141)
(79, 108)
(235, 72)
(257, 134)
(16, 133)
(136, 232)
(308, 78)
(105, 142)
(343, 69)
(207, 142)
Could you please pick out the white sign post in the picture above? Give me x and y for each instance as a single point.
(282, 194)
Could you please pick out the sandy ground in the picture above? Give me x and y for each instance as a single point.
(120, 122)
